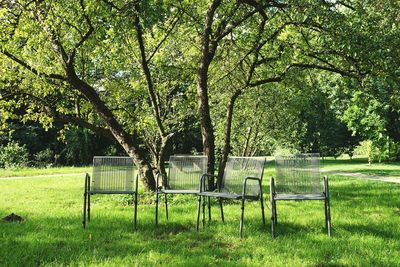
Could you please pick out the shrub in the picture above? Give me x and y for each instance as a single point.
(13, 155)
(44, 158)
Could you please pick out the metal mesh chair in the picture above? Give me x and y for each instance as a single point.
(183, 177)
(242, 180)
(298, 178)
(111, 175)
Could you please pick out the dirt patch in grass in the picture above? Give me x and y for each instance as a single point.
(13, 218)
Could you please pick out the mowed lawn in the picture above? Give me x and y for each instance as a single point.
(360, 165)
(365, 215)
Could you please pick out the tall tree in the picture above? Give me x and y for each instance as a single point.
(267, 40)
(89, 63)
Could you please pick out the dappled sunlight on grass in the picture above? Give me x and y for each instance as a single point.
(365, 218)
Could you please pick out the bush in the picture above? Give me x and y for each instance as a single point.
(44, 158)
(13, 155)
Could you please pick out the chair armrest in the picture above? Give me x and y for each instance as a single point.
(326, 186)
(136, 184)
(272, 187)
(245, 183)
(87, 182)
(203, 181)
(216, 183)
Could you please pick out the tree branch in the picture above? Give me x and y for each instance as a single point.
(346, 73)
(62, 118)
(164, 39)
(235, 24)
(85, 36)
(147, 73)
(280, 77)
(267, 80)
(83, 123)
(32, 69)
(57, 46)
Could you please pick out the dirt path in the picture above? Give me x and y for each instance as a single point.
(41, 176)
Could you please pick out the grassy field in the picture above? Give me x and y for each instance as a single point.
(26, 172)
(365, 215)
(360, 165)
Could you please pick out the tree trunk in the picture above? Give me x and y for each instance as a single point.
(207, 131)
(247, 143)
(160, 157)
(228, 127)
(127, 142)
(162, 153)
(208, 49)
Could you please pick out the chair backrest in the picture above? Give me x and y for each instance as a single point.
(113, 174)
(298, 174)
(184, 172)
(237, 169)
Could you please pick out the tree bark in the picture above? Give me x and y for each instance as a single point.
(154, 97)
(207, 131)
(227, 136)
(127, 142)
(246, 145)
(208, 49)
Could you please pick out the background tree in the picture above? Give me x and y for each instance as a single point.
(87, 63)
(268, 40)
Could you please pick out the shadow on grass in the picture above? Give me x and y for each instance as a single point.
(287, 229)
(64, 241)
(372, 191)
(58, 239)
(370, 229)
(61, 240)
(354, 161)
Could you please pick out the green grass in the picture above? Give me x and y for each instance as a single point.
(365, 215)
(360, 165)
(23, 172)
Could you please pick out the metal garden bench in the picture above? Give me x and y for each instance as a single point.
(242, 180)
(111, 175)
(298, 178)
(183, 177)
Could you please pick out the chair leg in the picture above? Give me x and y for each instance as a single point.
(273, 207)
(198, 213)
(326, 213)
(88, 199)
(209, 209)
(327, 206)
(88, 208)
(273, 218)
(222, 209)
(166, 206)
(262, 209)
(204, 214)
(262, 205)
(135, 211)
(242, 218)
(328, 216)
(84, 209)
(156, 208)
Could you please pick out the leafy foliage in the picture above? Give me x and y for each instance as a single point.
(13, 155)
(152, 75)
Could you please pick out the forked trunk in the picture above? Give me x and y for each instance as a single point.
(227, 138)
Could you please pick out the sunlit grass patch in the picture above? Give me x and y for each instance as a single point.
(365, 216)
